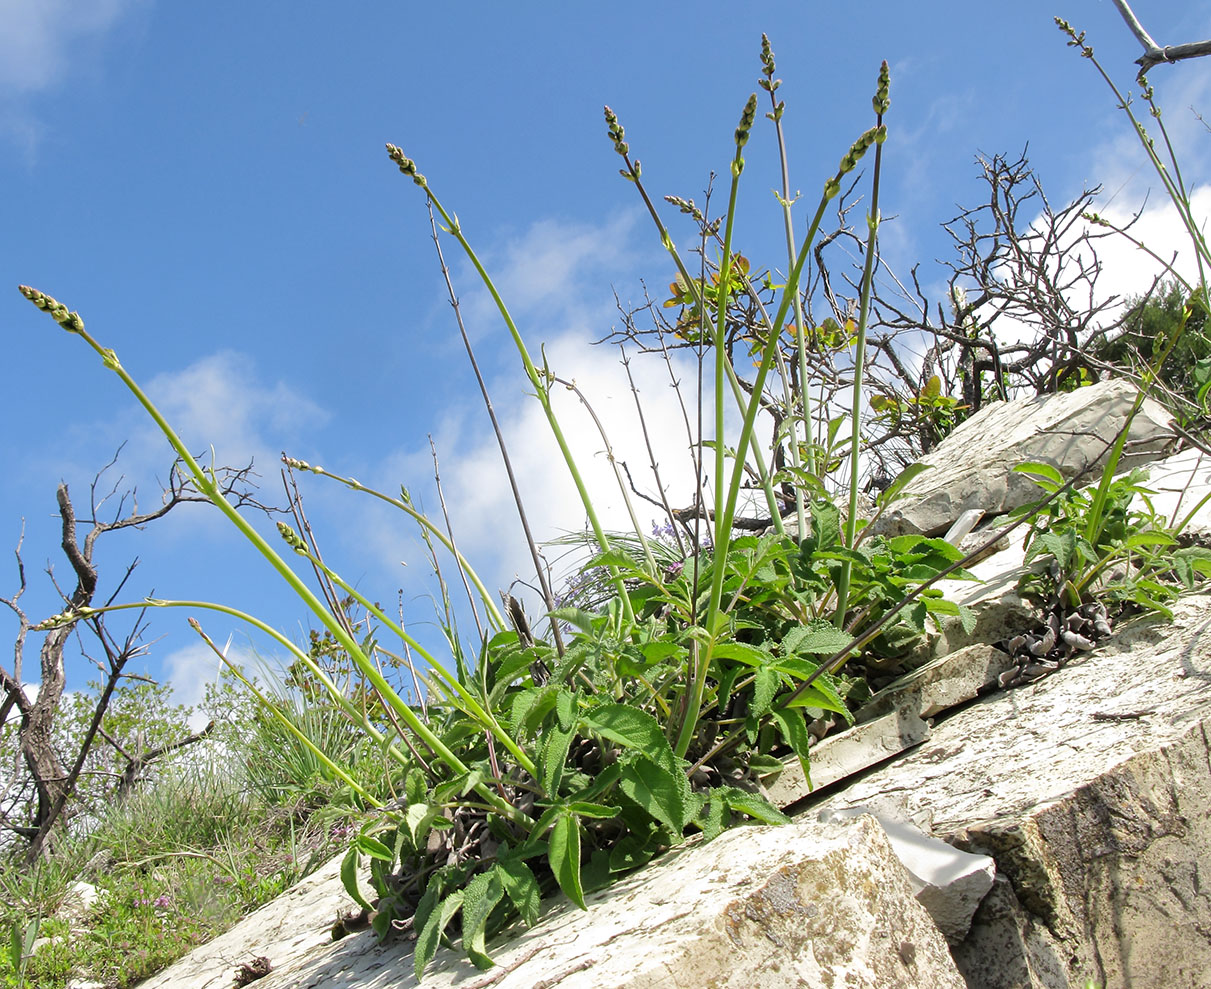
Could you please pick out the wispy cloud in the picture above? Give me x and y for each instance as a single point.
(40, 44)
(41, 37)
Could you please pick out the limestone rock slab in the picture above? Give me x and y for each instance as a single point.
(806, 904)
(972, 467)
(1091, 789)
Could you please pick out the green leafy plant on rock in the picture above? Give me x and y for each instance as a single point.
(535, 765)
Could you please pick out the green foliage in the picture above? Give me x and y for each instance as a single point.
(929, 412)
(1151, 321)
(1121, 553)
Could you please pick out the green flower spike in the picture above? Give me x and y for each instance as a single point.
(746, 121)
(616, 132)
(769, 83)
(406, 165)
(882, 101)
(293, 540)
(70, 321)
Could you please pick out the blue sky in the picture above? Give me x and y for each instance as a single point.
(207, 185)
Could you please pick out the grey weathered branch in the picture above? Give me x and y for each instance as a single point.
(1155, 54)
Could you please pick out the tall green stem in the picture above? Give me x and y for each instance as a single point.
(540, 381)
(209, 487)
(881, 103)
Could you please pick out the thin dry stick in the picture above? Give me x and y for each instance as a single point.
(647, 441)
(437, 480)
(609, 452)
(544, 586)
(295, 497)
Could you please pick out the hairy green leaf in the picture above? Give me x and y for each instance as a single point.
(794, 731)
(634, 729)
(663, 794)
(480, 897)
(563, 852)
(520, 886)
(430, 922)
(349, 866)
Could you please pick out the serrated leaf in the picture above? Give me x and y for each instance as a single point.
(552, 754)
(415, 786)
(349, 866)
(710, 820)
(817, 638)
(754, 805)
(480, 897)
(563, 853)
(663, 794)
(430, 922)
(1060, 545)
(565, 708)
(826, 524)
(634, 729)
(794, 731)
(765, 685)
(520, 886)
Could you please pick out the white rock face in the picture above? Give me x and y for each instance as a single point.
(1071, 431)
(759, 908)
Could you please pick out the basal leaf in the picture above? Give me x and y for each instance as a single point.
(794, 731)
(710, 818)
(634, 729)
(1040, 473)
(520, 886)
(818, 638)
(430, 922)
(415, 786)
(744, 653)
(480, 897)
(663, 794)
(565, 708)
(563, 852)
(585, 809)
(349, 866)
(373, 847)
(765, 686)
(895, 490)
(552, 754)
(753, 805)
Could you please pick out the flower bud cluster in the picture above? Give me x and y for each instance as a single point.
(70, 321)
(769, 83)
(616, 132)
(406, 165)
(686, 206)
(295, 464)
(746, 121)
(882, 100)
(68, 617)
(292, 538)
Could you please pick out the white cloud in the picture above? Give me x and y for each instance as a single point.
(42, 37)
(191, 668)
(220, 401)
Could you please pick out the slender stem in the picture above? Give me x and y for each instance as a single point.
(540, 381)
(539, 570)
(208, 486)
(851, 522)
